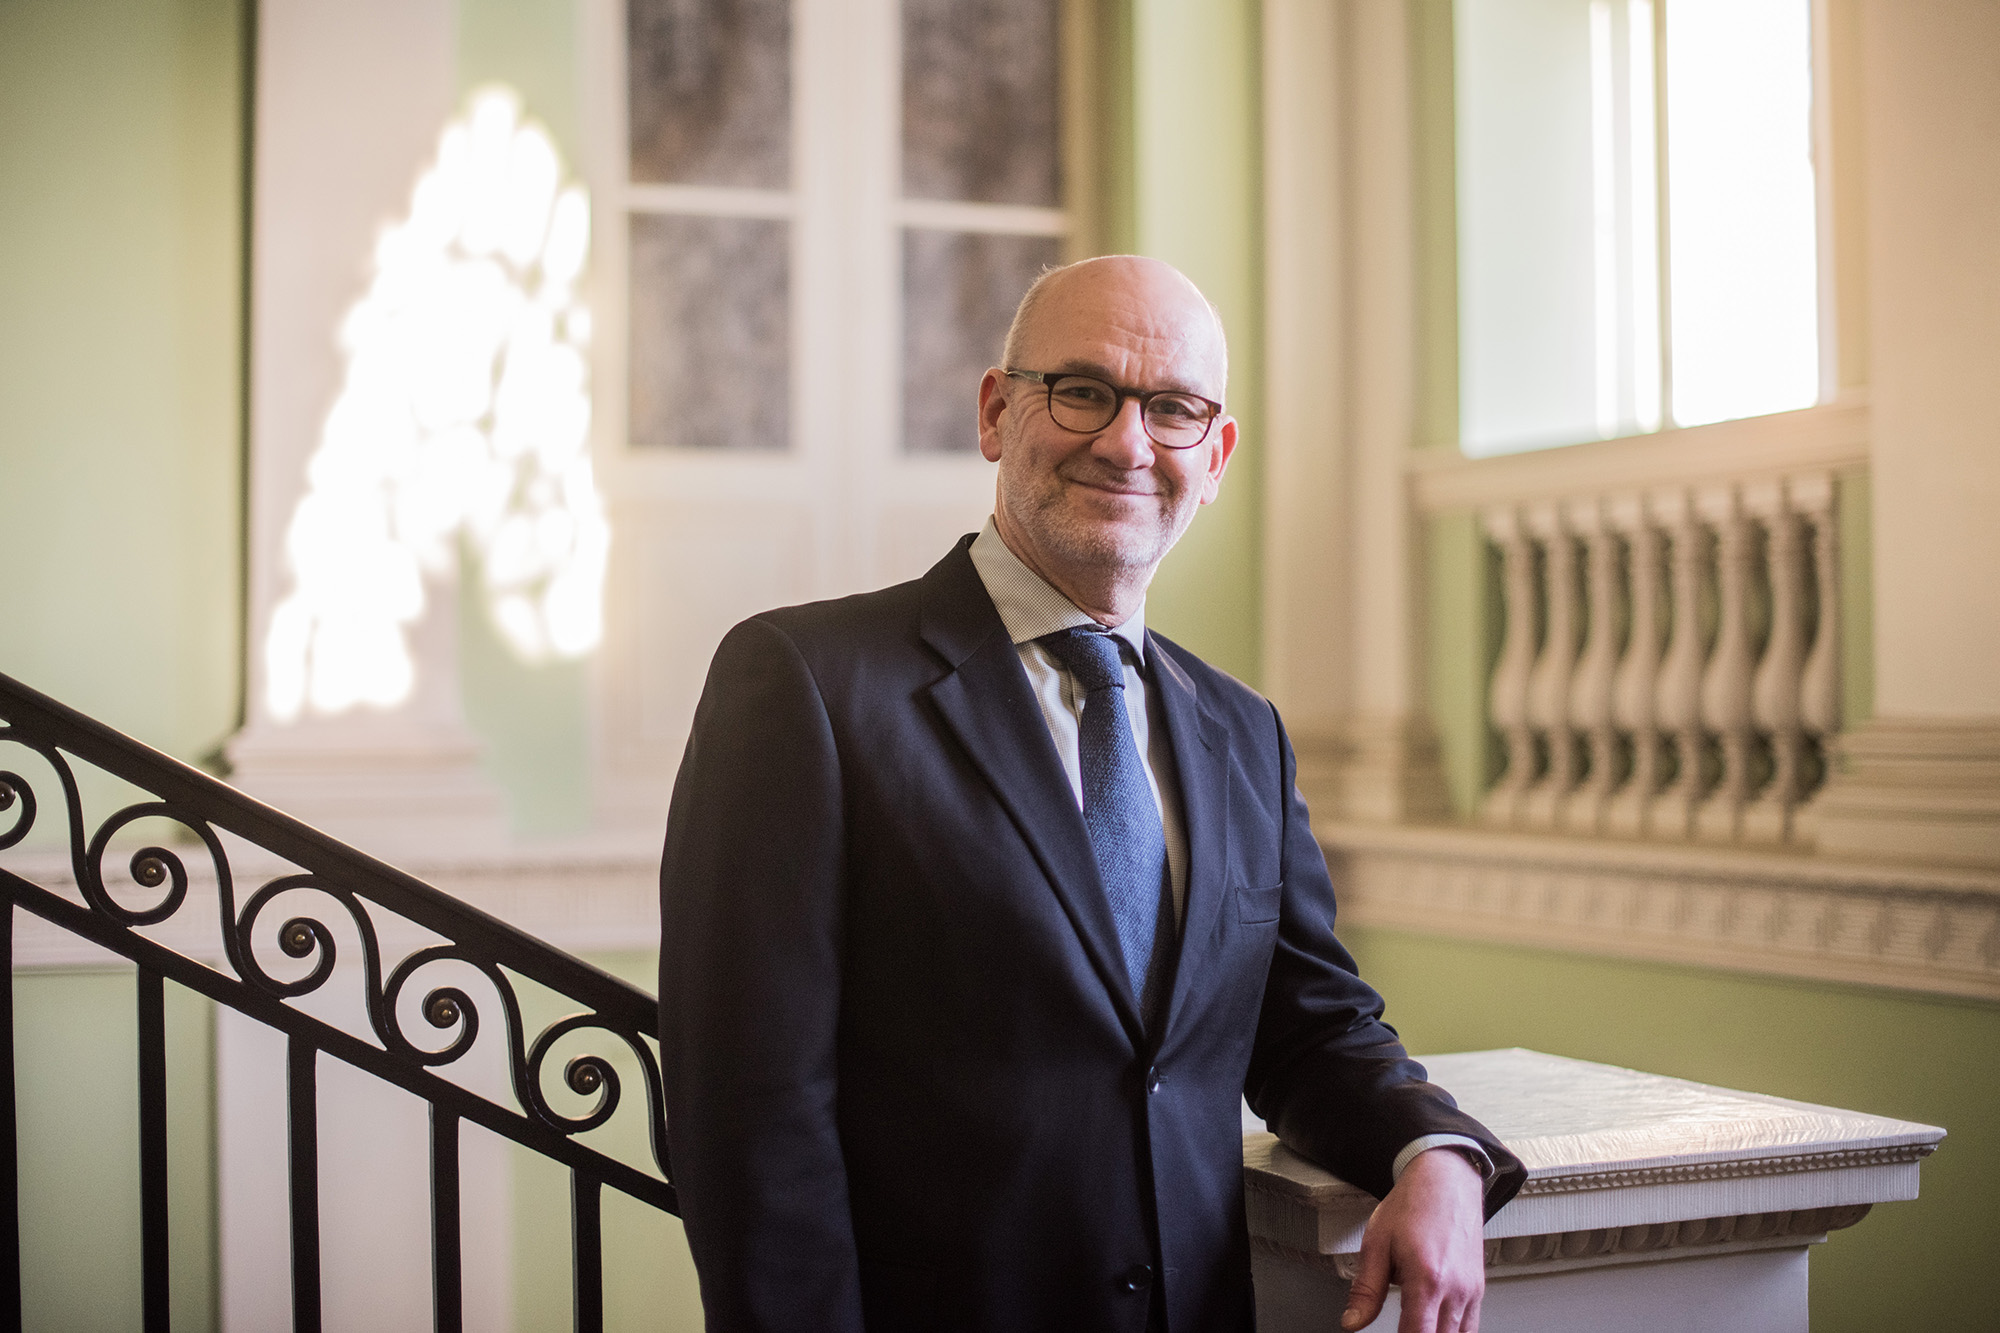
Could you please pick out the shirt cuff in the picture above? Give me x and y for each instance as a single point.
(1468, 1147)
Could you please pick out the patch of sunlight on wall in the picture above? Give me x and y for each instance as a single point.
(465, 412)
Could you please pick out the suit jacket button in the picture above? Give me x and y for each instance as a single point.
(1153, 1079)
(1136, 1278)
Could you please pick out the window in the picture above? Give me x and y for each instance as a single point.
(818, 218)
(1638, 238)
(724, 226)
(982, 187)
(710, 201)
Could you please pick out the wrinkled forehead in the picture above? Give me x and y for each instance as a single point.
(1142, 321)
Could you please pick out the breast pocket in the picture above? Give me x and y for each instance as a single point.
(1254, 905)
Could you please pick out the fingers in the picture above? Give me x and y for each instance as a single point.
(1431, 1309)
(1371, 1285)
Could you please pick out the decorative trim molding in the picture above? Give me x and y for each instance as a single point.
(1833, 437)
(1518, 1256)
(1738, 1169)
(1783, 913)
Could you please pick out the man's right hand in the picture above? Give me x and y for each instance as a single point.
(1428, 1237)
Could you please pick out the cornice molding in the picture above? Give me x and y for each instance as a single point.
(1818, 917)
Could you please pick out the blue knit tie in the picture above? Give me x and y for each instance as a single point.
(1118, 808)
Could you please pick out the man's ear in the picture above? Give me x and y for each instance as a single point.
(992, 406)
(1219, 449)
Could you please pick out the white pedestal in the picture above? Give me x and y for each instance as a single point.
(1651, 1202)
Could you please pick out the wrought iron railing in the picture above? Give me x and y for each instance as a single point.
(205, 809)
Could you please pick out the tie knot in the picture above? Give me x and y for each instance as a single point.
(1091, 656)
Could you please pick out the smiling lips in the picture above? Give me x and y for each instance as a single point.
(1108, 486)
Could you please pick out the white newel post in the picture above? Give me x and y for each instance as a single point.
(1651, 1203)
(351, 99)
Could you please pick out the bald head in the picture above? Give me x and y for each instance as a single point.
(1094, 508)
(1150, 298)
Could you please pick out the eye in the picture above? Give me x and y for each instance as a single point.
(1079, 392)
(1177, 408)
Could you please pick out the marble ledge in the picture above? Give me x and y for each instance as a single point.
(1787, 913)
(1622, 1164)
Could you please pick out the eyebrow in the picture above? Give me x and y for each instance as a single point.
(1096, 371)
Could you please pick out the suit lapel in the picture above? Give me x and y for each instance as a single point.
(987, 704)
(1201, 753)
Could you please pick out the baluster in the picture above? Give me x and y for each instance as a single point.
(10, 1161)
(156, 1313)
(1590, 695)
(1677, 703)
(1725, 685)
(303, 1095)
(587, 1236)
(1507, 697)
(1819, 683)
(447, 1273)
(1774, 691)
(1548, 683)
(1639, 668)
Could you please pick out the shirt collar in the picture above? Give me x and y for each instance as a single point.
(1029, 606)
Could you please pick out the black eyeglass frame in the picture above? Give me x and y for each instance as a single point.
(1047, 379)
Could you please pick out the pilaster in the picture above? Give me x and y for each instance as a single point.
(1343, 597)
(1922, 780)
(350, 101)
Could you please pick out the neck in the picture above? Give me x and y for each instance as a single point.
(1110, 596)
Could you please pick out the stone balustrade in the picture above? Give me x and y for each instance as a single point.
(1669, 663)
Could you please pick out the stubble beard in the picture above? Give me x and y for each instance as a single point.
(1052, 511)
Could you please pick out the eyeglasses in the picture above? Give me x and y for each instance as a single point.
(1085, 404)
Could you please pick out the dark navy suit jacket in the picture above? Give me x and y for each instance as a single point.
(907, 1083)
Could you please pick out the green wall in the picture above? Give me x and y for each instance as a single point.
(1198, 204)
(76, 1095)
(121, 202)
(1927, 1264)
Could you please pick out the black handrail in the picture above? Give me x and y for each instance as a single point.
(202, 805)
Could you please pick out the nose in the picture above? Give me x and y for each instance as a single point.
(1124, 442)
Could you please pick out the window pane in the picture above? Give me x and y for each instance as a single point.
(710, 91)
(1741, 208)
(710, 333)
(979, 101)
(959, 293)
(1527, 233)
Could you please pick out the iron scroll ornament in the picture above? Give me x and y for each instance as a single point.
(200, 804)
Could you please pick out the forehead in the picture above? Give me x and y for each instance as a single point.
(1142, 323)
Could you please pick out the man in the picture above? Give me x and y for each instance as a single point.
(982, 907)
